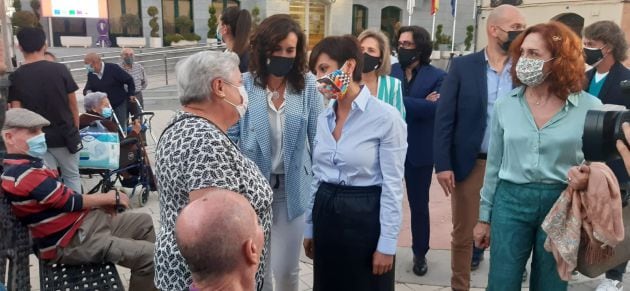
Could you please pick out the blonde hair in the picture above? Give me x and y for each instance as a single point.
(383, 44)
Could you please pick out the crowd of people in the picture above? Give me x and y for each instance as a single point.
(276, 149)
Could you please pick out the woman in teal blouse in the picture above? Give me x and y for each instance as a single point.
(376, 69)
(536, 136)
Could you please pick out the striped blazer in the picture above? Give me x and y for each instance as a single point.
(253, 135)
(390, 92)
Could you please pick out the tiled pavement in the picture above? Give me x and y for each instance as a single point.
(437, 278)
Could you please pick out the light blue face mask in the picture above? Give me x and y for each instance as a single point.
(107, 112)
(219, 35)
(89, 68)
(37, 145)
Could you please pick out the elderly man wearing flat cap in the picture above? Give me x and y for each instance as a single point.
(67, 227)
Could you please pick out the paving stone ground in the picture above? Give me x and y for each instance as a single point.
(438, 277)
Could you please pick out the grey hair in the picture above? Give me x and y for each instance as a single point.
(196, 72)
(93, 99)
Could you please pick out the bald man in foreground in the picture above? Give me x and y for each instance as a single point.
(113, 81)
(220, 238)
(461, 137)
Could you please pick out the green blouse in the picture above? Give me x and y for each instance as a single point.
(390, 92)
(522, 153)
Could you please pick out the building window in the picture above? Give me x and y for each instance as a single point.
(125, 17)
(359, 19)
(219, 4)
(171, 9)
(390, 22)
(311, 15)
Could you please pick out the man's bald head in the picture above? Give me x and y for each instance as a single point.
(92, 57)
(502, 20)
(218, 234)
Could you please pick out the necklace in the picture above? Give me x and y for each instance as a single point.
(538, 102)
(275, 94)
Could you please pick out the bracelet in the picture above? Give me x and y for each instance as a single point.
(483, 222)
(117, 205)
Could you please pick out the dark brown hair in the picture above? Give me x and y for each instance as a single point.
(610, 34)
(567, 67)
(240, 23)
(340, 49)
(266, 38)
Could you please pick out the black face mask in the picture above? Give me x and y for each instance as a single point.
(406, 57)
(511, 37)
(370, 63)
(593, 55)
(279, 66)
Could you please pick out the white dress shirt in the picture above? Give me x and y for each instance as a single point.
(276, 122)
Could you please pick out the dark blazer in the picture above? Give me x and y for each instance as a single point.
(611, 91)
(611, 94)
(460, 118)
(113, 84)
(420, 112)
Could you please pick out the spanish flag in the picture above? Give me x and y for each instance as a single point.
(435, 6)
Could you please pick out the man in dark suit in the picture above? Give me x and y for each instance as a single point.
(111, 80)
(461, 138)
(420, 84)
(605, 48)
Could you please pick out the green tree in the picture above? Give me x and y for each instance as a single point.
(440, 37)
(21, 19)
(153, 23)
(212, 21)
(131, 24)
(255, 17)
(469, 37)
(17, 4)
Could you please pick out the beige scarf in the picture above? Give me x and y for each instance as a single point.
(590, 219)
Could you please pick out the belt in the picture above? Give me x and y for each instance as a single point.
(482, 156)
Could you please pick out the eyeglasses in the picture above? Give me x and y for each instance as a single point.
(406, 44)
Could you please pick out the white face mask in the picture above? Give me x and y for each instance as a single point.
(242, 108)
(530, 71)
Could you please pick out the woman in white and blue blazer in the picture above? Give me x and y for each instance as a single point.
(277, 133)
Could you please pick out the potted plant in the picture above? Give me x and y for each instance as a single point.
(468, 39)
(212, 25)
(183, 25)
(442, 41)
(155, 40)
(131, 24)
(255, 17)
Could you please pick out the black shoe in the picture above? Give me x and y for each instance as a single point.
(474, 264)
(420, 267)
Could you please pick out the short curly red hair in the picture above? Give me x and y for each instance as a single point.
(567, 70)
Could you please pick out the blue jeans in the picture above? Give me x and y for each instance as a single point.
(518, 212)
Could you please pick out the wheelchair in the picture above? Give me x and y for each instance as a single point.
(134, 166)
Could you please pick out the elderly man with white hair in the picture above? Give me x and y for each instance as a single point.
(68, 227)
(194, 154)
(136, 71)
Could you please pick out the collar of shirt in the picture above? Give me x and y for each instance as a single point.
(100, 75)
(573, 99)
(270, 102)
(506, 68)
(360, 102)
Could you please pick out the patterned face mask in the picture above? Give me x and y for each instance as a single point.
(334, 85)
(530, 71)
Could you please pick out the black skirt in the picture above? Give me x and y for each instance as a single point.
(346, 228)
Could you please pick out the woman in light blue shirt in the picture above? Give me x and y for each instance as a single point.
(355, 209)
(277, 133)
(536, 136)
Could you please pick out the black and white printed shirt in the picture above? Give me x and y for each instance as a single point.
(194, 154)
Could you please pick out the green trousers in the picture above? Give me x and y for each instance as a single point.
(517, 213)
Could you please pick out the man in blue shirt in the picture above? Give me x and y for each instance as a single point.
(605, 48)
(461, 135)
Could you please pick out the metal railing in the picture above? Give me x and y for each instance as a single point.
(156, 63)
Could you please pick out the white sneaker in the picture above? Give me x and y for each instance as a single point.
(610, 285)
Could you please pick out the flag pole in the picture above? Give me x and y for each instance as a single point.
(433, 28)
(454, 25)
